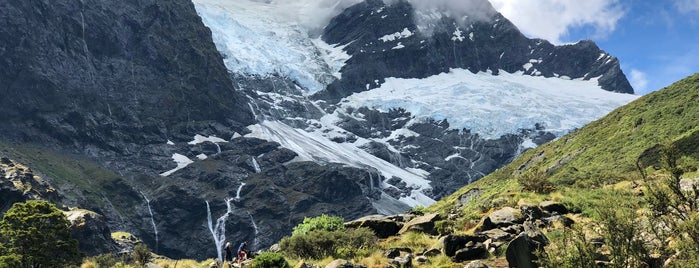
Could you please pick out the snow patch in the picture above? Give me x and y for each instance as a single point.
(313, 146)
(397, 35)
(182, 162)
(201, 139)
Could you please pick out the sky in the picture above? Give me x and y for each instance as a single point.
(656, 41)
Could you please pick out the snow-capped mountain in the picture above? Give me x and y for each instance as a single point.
(184, 121)
(496, 89)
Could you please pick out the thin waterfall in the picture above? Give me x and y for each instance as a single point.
(371, 182)
(237, 193)
(152, 221)
(254, 225)
(256, 165)
(219, 230)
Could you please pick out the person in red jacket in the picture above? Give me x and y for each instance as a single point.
(242, 252)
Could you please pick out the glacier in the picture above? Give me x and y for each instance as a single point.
(258, 38)
(495, 105)
(275, 44)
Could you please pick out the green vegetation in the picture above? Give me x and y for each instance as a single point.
(96, 183)
(141, 254)
(326, 236)
(270, 260)
(322, 222)
(37, 234)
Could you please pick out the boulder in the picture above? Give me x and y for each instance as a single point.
(520, 251)
(472, 251)
(383, 226)
(343, 264)
(395, 252)
(422, 260)
(453, 243)
(503, 217)
(476, 264)
(497, 235)
(553, 207)
(423, 224)
(405, 261)
(432, 252)
(91, 231)
(532, 212)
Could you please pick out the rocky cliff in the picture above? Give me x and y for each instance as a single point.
(396, 40)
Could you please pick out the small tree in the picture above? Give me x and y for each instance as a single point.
(37, 234)
(141, 254)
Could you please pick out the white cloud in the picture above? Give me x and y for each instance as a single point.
(553, 19)
(639, 81)
(687, 6)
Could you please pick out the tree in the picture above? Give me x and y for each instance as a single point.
(141, 254)
(37, 234)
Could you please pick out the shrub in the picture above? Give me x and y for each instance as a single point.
(568, 249)
(535, 182)
(269, 260)
(318, 244)
(322, 222)
(104, 260)
(141, 254)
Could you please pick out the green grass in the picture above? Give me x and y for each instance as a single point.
(604, 152)
(83, 179)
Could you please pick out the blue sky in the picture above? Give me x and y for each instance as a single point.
(656, 41)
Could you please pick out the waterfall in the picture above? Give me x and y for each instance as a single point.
(371, 181)
(254, 225)
(237, 193)
(254, 114)
(152, 221)
(218, 147)
(219, 231)
(256, 165)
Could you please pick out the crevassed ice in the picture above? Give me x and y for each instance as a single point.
(495, 105)
(256, 38)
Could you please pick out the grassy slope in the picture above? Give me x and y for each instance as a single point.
(84, 180)
(603, 152)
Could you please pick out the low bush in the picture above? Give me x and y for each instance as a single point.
(270, 260)
(322, 222)
(318, 244)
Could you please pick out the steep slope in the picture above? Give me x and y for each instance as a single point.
(608, 151)
(101, 73)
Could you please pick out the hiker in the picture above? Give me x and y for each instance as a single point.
(229, 252)
(242, 252)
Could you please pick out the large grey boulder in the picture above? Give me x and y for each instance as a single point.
(453, 243)
(383, 226)
(423, 224)
(503, 217)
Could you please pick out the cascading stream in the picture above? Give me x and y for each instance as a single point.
(152, 220)
(219, 230)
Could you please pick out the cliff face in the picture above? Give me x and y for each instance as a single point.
(106, 72)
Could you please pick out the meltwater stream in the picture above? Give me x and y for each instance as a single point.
(152, 221)
(218, 231)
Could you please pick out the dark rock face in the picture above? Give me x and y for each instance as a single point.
(92, 232)
(105, 72)
(487, 42)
